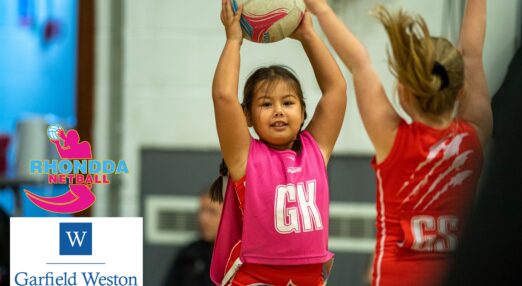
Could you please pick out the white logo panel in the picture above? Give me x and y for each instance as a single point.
(76, 251)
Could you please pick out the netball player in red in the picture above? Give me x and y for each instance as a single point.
(426, 170)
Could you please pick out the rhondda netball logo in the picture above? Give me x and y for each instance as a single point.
(77, 168)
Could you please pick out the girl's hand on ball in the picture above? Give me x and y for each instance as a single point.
(304, 29)
(316, 6)
(231, 21)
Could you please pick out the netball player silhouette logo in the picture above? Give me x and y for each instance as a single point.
(77, 168)
(72, 148)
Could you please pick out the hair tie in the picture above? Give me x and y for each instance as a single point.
(223, 169)
(440, 71)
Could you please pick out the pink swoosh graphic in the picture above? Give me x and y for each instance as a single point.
(261, 23)
(78, 198)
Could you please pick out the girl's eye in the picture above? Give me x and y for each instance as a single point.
(288, 102)
(266, 104)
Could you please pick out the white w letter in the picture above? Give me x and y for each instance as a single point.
(76, 238)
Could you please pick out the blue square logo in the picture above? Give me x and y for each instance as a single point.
(75, 238)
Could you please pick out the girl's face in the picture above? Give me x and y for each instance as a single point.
(276, 114)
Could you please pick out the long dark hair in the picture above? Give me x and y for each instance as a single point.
(270, 75)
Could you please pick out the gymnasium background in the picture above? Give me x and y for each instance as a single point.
(135, 77)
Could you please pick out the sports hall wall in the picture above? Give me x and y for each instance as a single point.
(154, 87)
(154, 68)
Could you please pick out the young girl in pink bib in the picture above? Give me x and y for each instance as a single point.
(274, 226)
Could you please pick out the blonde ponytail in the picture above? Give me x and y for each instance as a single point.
(430, 68)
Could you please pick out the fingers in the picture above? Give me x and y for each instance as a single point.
(307, 17)
(228, 16)
(238, 13)
(222, 14)
(227, 13)
(228, 10)
(306, 20)
(231, 20)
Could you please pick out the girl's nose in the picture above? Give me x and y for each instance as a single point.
(278, 111)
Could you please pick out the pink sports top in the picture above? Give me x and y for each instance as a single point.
(286, 209)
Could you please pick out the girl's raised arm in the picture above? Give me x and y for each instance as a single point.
(378, 115)
(474, 104)
(328, 117)
(231, 123)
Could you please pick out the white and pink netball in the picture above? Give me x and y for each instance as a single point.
(267, 21)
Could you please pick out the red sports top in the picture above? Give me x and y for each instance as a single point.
(424, 188)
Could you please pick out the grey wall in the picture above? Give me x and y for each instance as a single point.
(176, 172)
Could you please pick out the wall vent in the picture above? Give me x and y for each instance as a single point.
(172, 220)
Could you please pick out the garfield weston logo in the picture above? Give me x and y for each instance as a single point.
(77, 168)
(73, 251)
